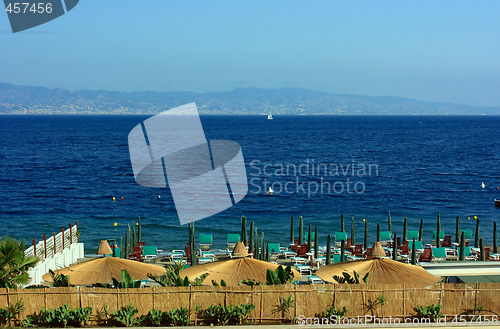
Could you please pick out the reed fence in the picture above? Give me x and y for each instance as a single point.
(310, 300)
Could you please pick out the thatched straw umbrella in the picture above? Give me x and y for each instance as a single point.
(232, 271)
(382, 270)
(103, 269)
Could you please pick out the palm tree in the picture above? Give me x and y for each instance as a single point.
(14, 265)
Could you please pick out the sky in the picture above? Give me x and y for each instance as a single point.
(445, 51)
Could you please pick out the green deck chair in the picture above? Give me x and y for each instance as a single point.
(274, 248)
(232, 239)
(418, 244)
(411, 235)
(149, 251)
(439, 253)
(205, 242)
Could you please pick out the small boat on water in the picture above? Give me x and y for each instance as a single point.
(269, 117)
(497, 203)
(270, 191)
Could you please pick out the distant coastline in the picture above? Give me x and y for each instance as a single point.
(240, 101)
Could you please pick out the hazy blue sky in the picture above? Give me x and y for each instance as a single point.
(429, 50)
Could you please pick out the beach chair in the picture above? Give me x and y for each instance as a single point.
(149, 252)
(468, 234)
(205, 242)
(385, 238)
(441, 236)
(313, 279)
(446, 241)
(412, 235)
(418, 244)
(339, 236)
(177, 255)
(439, 253)
(336, 258)
(405, 248)
(306, 237)
(426, 256)
(232, 239)
(468, 254)
(304, 269)
(358, 250)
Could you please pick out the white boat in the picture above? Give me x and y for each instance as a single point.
(269, 117)
(482, 185)
(270, 191)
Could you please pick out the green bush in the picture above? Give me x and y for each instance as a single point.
(332, 311)
(154, 318)
(432, 312)
(126, 316)
(177, 317)
(224, 315)
(10, 312)
(62, 316)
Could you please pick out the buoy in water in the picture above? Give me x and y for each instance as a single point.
(114, 199)
(159, 196)
(115, 224)
(122, 198)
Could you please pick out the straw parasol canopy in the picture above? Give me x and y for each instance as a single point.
(382, 270)
(232, 271)
(240, 250)
(104, 248)
(102, 270)
(377, 250)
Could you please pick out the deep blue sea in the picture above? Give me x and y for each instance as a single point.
(57, 169)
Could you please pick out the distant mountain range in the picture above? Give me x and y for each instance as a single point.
(40, 100)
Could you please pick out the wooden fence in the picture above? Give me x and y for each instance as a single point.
(310, 300)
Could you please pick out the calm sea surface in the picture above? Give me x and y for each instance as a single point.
(57, 169)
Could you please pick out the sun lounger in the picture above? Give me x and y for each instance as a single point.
(439, 253)
(313, 279)
(418, 245)
(426, 256)
(177, 255)
(412, 235)
(232, 239)
(149, 252)
(274, 248)
(288, 254)
(446, 241)
(304, 269)
(298, 260)
(339, 236)
(385, 238)
(205, 241)
(441, 237)
(468, 253)
(204, 260)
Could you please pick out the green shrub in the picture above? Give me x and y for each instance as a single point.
(154, 318)
(224, 315)
(432, 312)
(177, 317)
(126, 316)
(332, 311)
(10, 312)
(29, 322)
(80, 316)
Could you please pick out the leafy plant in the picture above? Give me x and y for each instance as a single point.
(63, 315)
(126, 281)
(14, 265)
(332, 311)
(371, 304)
(46, 317)
(126, 315)
(279, 276)
(250, 282)
(154, 318)
(103, 315)
(80, 316)
(172, 277)
(177, 317)
(222, 283)
(29, 322)
(432, 312)
(59, 280)
(224, 315)
(284, 307)
(347, 278)
(10, 312)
